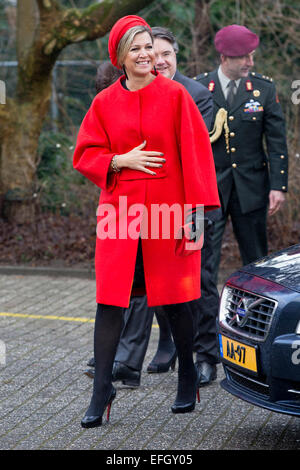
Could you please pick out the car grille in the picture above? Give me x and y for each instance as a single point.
(259, 387)
(248, 314)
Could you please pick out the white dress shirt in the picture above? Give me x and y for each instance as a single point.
(224, 81)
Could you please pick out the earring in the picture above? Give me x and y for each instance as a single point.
(124, 70)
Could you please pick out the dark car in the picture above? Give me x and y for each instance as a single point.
(259, 332)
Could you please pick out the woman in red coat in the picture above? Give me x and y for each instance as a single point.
(144, 143)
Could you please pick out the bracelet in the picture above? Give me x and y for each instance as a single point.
(114, 165)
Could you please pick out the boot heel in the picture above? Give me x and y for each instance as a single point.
(94, 421)
(112, 397)
(160, 367)
(108, 412)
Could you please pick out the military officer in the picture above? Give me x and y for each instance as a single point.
(252, 176)
(205, 309)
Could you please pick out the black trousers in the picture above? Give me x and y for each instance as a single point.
(205, 310)
(138, 318)
(136, 333)
(250, 231)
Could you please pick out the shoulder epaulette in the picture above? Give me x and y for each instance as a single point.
(201, 75)
(262, 77)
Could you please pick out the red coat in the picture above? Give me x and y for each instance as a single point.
(164, 114)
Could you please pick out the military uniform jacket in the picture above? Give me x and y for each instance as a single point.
(252, 154)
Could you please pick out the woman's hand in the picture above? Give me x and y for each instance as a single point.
(139, 159)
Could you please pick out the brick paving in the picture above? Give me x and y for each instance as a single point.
(44, 393)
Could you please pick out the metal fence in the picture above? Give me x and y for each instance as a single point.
(73, 88)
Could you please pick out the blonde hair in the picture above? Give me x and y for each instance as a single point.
(126, 41)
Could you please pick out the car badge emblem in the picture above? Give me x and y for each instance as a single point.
(243, 311)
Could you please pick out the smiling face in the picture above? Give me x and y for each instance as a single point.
(165, 57)
(237, 67)
(140, 59)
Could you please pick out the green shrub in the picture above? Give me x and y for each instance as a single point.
(59, 185)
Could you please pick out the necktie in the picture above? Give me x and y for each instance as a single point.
(231, 92)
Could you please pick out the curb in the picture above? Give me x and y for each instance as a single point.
(47, 271)
(69, 272)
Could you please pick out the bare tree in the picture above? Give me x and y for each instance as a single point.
(44, 29)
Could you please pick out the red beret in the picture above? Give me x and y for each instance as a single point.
(118, 31)
(235, 40)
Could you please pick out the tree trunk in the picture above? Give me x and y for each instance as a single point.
(19, 155)
(24, 117)
(27, 20)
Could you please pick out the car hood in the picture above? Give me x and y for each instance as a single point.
(282, 267)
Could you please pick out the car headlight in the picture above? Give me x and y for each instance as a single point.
(298, 329)
(223, 309)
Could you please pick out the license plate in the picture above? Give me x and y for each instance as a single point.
(238, 353)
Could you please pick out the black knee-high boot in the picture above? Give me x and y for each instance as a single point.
(165, 356)
(108, 327)
(181, 323)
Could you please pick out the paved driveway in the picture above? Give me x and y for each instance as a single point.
(46, 324)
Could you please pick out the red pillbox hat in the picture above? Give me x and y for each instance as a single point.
(118, 31)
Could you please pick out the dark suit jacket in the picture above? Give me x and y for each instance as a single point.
(200, 95)
(253, 167)
(204, 102)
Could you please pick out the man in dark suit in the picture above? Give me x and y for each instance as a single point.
(252, 181)
(138, 319)
(206, 308)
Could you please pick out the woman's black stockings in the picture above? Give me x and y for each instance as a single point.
(166, 348)
(108, 327)
(181, 323)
